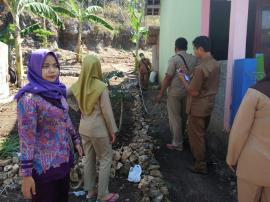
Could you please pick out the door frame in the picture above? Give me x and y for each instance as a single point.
(260, 5)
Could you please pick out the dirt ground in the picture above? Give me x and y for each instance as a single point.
(183, 185)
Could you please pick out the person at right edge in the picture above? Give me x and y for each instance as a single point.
(249, 144)
(202, 90)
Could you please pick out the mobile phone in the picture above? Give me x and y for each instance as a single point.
(181, 71)
(186, 77)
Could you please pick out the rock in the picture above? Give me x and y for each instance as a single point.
(16, 179)
(157, 181)
(133, 146)
(119, 165)
(145, 165)
(5, 162)
(15, 160)
(143, 158)
(144, 183)
(117, 156)
(126, 154)
(133, 158)
(10, 174)
(144, 131)
(145, 199)
(154, 167)
(125, 169)
(7, 168)
(113, 172)
(3, 176)
(164, 190)
(159, 198)
(74, 176)
(8, 181)
(154, 193)
(155, 173)
(15, 168)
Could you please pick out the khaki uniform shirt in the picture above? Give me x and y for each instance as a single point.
(205, 80)
(101, 122)
(249, 143)
(177, 88)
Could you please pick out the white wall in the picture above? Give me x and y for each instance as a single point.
(4, 86)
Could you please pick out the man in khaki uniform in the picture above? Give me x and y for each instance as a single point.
(144, 70)
(176, 102)
(201, 97)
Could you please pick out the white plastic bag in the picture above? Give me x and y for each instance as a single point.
(153, 76)
(134, 174)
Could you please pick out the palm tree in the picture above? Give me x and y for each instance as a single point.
(77, 10)
(18, 8)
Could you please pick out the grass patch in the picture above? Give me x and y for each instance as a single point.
(9, 146)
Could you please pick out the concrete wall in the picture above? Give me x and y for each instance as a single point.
(178, 18)
(4, 86)
(217, 138)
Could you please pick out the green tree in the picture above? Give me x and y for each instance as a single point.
(43, 33)
(76, 9)
(136, 12)
(20, 7)
(7, 36)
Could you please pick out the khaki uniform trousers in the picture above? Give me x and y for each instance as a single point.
(197, 127)
(144, 79)
(248, 192)
(176, 106)
(101, 149)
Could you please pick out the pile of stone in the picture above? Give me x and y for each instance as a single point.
(141, 151)
(9, 173)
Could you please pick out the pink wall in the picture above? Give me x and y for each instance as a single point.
(205, 18)
(237, 48)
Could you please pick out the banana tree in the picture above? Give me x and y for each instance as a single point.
(136, 12)
(18, 8)
(44, 33)
(76, 9)
(7, 36)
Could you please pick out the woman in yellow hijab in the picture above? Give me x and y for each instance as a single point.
(97, 128)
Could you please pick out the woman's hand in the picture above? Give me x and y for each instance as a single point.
(79, 149)
(28, 187)
(113, 138)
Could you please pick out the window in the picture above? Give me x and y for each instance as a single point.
(156, 11)
(265, 29)
(149, 11)
(157, 2)
(150, 2)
